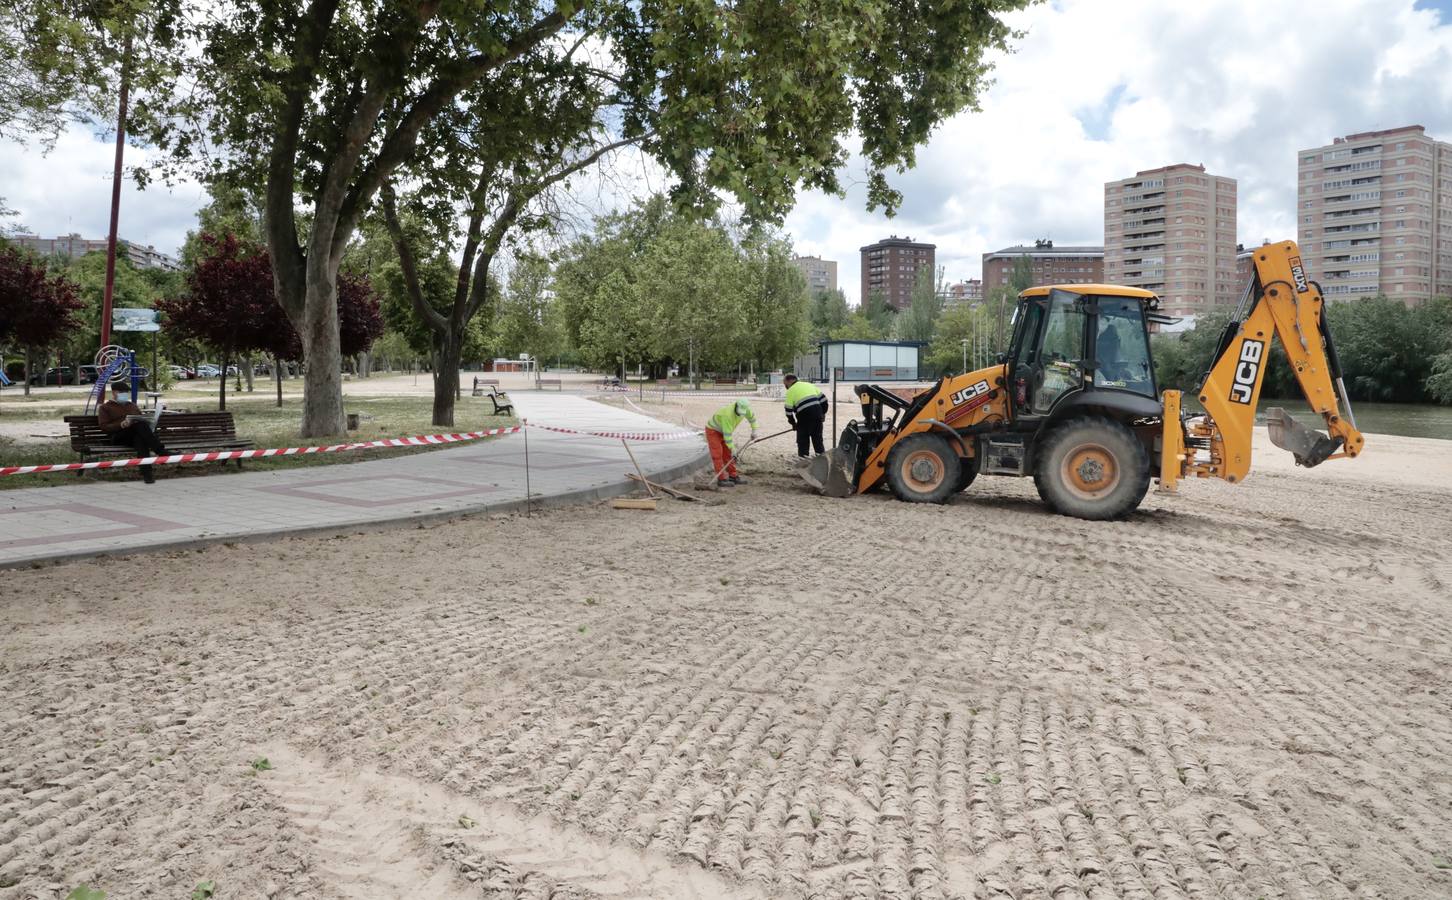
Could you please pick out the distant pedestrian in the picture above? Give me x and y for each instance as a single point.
(718, 438)
(806, 410)
(111, 417)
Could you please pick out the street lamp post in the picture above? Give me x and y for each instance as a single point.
(964, 342)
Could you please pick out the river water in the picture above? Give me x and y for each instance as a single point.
(1407, 419)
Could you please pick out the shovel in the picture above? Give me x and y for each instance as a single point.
(1310, 448)
(736, 454)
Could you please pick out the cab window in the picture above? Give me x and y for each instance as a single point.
(1121, 347)
(1061, 352)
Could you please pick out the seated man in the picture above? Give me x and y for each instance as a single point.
(112, 419)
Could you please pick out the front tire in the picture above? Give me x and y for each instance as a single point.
(922, 468)
(1092, 468)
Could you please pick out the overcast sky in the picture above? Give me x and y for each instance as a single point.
(1096, 91)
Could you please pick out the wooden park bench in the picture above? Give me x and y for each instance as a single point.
(481, 383)
(178, 432)
(502, 406)
(541, 383)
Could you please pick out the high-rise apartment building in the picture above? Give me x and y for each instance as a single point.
(1374, 215)
(1049, 264)
(890, 267)
(73, 245)
(821, 274)
(1172, 231)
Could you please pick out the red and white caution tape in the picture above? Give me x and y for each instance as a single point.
(622, 435)
(421, 440)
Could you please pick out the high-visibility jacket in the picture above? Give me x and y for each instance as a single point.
(803, 396)
(728, 417)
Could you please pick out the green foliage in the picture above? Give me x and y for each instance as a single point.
(656, 288)
(528, 319)
(962, 322)
(261, 764)
(1021, 278)
(85, 892)
(829, 311)
(1389, 352)
(920, 320)
(858, 327)
(204, 890)
(879, 312)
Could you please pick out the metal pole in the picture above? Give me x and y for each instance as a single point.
(116, 194)
(964, 342)
(524, 423)
(834, 407)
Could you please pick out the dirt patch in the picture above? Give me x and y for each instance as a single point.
(1239, 692)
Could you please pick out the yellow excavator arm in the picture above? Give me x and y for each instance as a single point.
(1281, 302)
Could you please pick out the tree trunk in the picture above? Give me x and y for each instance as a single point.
(247, 371)
(27, 371)
(446, 388)
(222, 386)
(323, 380)
(277, 376)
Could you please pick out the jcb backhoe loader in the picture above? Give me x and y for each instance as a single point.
(1074, 402)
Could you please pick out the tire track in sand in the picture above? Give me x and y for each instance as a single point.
(378, 835)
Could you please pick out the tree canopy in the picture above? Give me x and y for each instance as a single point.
(317, 105)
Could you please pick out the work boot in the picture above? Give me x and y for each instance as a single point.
(148, 475)
(737, 479)
(725, 483)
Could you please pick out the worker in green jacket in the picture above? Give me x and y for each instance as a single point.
(806, 410)
(718, 438)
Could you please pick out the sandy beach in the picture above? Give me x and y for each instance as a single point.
(1242, 691)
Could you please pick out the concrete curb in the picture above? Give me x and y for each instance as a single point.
(701, 461)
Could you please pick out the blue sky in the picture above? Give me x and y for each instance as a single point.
(1094, 92)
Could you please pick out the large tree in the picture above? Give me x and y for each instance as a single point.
(321, 103)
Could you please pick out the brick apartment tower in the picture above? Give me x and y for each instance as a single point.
(892, 265)
(1172, 231)
(1374, 215)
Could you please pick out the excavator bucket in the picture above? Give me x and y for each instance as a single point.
(831, 473)
(1310, 448)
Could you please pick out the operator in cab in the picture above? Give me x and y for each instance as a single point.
(806, 411)
(719, 439)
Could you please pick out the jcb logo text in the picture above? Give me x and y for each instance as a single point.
(968, 393)
(1247, 368)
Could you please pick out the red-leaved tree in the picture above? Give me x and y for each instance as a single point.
(229, 305)
(37, 308)
(228, 302)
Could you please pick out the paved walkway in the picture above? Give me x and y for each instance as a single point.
(79, 520)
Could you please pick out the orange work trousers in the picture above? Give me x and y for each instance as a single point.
(721, 456)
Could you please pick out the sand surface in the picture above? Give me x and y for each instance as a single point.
(1240, 692)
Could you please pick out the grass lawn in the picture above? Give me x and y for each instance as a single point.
(260, 420)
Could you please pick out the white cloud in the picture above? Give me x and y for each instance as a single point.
(69, 190)
(1238, 85)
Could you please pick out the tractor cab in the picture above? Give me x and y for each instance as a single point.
(1082, 348)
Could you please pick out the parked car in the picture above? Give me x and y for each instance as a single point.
(178, 373)
(53, 375)
(208, 371)
(89, 374)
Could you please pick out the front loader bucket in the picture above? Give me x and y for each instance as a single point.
(831, 473)
(1310, 448)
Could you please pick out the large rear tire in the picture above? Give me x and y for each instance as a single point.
(923, 468)
(1092, 468)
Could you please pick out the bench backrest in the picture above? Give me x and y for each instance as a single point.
(493, 381)
(86, 430)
